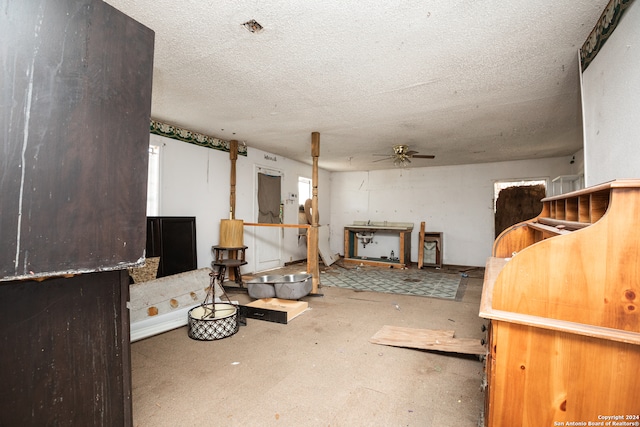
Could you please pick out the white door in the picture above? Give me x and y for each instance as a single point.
(268, 240)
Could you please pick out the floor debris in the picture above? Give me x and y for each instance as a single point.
(427, 339)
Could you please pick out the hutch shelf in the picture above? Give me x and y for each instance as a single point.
(562, 295)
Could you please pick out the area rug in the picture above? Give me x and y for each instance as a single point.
(426, 283)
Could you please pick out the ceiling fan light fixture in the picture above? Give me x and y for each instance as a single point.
(402, 156)
(401, 161)
(400, 149)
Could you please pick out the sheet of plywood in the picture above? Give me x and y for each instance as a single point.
(166, 294)
(427, 339)
(328, 258)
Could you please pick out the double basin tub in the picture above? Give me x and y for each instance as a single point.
(290, 286)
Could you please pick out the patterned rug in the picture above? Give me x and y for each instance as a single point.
(426, 282)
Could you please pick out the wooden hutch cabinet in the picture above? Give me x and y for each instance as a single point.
(562, 292)
(75, 114)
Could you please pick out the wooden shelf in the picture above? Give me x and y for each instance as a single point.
(553, 231)
(425, 238)
(571, 211)
(567, 225)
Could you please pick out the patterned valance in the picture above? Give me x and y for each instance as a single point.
(185, 135)
(601, 32)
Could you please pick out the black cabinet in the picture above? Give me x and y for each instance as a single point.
(173, 239)
(74, 115)
(65, 352)
(76, 102)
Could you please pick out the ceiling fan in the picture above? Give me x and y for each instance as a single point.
(402, 156)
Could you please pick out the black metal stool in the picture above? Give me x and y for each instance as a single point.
(235, 257)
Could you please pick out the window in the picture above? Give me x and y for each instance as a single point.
(153, 181)
(304, 190)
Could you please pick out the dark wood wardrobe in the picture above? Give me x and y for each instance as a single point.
(74, 118)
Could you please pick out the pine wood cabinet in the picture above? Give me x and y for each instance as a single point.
(562, 292)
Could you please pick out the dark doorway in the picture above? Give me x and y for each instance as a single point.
(516, 204)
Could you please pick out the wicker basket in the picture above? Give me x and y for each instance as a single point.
(208, 322)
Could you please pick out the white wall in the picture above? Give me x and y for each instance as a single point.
(456, 200)
(186, 189)
(611, 105)
(246, 201)
(195, 181)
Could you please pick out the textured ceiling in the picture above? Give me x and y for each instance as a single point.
(465, 80)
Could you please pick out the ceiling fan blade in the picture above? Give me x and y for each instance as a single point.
(402, 155)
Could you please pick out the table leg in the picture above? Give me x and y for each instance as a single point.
(238, 276)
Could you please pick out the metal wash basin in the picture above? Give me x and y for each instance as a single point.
(294, 286)
(272, 278)
(291, 286)
(263, 286)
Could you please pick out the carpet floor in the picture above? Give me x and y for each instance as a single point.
(318, 370)
(419, 282)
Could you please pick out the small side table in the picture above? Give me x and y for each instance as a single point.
(229, 258)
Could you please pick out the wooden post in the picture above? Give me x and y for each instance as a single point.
(313, 254)
(421, 245)
(233, 155)
(231, 231)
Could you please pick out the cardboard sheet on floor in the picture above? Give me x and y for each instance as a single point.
(274, 309)
(427, 339)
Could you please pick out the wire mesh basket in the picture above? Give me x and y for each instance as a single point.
(208, 322)
(213, 320)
